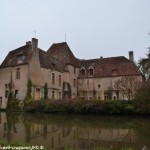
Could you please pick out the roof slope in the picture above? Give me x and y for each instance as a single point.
(112, 66)
(62, 52)
(50, 62)
(46, 61)
(11, 58)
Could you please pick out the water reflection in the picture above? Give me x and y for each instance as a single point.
(79, 132)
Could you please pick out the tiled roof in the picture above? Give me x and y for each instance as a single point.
(60, 54)
(107, 67)
(63, 53)
(50, 62)
(46, 61)
(12, 57)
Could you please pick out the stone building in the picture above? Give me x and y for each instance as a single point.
(67, 77)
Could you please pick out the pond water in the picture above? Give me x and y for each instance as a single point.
(84, 132)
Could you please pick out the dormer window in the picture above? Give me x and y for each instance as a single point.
(20, 58)
(91, 70)
(82, 71)
(114, 72)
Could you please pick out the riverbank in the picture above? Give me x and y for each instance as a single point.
(90, 107)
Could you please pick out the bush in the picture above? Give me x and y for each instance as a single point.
(119, 107)
(142, 99)
(81, 106)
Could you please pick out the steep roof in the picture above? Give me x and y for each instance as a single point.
(50, 62)
(63, 53)
(12, 59)
(107, 67)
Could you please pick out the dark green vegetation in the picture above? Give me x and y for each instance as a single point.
(86, 107)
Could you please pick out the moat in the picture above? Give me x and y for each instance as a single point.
(56, 131)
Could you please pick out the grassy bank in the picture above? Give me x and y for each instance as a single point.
(90, 106)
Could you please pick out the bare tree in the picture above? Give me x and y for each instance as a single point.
(127, 85)
(144, 65)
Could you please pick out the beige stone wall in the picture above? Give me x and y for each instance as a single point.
(86, 87)
(73, 76)
(56, 87)
(18, 84)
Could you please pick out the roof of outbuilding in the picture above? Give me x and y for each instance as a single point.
(63, 53)
(112, 66)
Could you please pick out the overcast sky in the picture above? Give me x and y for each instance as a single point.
(93, 28)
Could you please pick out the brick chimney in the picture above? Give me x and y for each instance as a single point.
(131, 56)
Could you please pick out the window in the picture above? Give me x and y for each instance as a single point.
(7, 86)
(20, 58)
(91, 70)
(18, 73)
(74, 82)
(53, 94)
(114, 72)
(6, 94)
(99, 97)
(114, 97)
(99, 86)
(53, 78)
(74, 70)
(106, 95)
(59, 80)
(37, 89)
(59, 95)
(16, 92)
(82, 71)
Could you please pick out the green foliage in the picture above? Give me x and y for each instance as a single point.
(117, 107)
(144, 66)
(81, 106)
(142, 99)
(45, 91)
(13, 104)
(28, 97)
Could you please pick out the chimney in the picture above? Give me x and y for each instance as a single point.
(131, 56)
(28, 43)
(34, 44)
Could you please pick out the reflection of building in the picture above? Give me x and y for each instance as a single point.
(3, 125)
(66, 76)
(57, 136)
(99, 137)
(54, 137)
(10, 130)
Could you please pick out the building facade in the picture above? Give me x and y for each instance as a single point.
(67, 77)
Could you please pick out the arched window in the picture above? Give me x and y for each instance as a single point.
(82, 71)
(91, 70)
